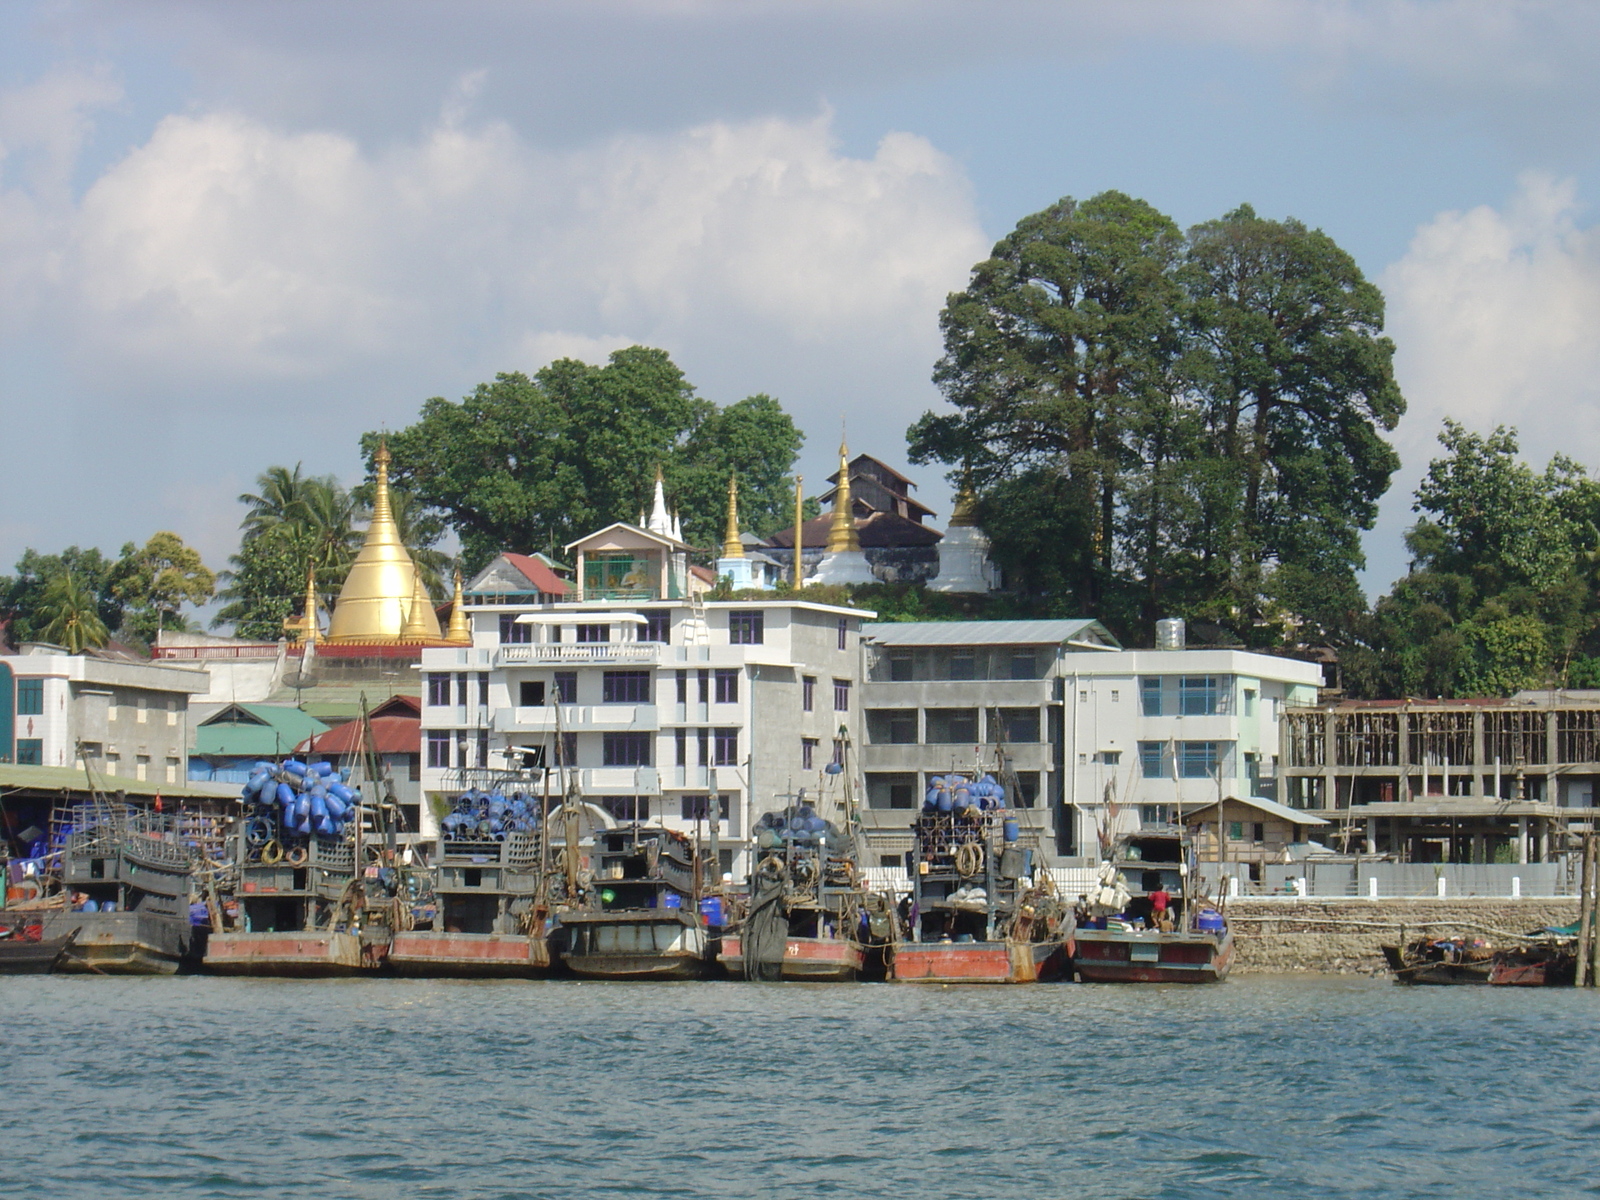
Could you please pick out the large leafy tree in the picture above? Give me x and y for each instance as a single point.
(156, 580)
(22, 594)
(69, 613)
(1165, 424)
(533, 463)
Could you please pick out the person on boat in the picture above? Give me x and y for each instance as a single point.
(1161, 909)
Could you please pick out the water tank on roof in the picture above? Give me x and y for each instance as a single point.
(1170, 634)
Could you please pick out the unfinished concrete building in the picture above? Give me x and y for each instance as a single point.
(1464, 781)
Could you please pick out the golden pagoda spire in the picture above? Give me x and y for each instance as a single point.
(304, 627)
(842, 535)
(799, 527)
(732, 547)
(375, 604)
(460, 631)
(416, 627)
(964, 515)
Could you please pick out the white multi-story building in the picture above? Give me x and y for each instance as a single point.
(678, 712)
(1095, 738)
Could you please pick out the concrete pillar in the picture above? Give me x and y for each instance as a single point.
(1522, 839)
(1372, 835)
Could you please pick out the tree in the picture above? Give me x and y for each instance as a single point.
(534, 463)
(22, 595)
(155, 581)
(70, 612)
(1164, 424)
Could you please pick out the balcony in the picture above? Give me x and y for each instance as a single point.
(577, 653)
(577, 718)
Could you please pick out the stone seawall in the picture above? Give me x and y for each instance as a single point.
(1344, 936)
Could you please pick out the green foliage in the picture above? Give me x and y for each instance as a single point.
(155, 580)
(22, 595)
(1163, 424)
(533, 464)
(70, 614)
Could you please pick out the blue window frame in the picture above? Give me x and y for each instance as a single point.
(30, 698)
(1151, 755)
(1150, 696)
(1197, 760)
(1197, 695)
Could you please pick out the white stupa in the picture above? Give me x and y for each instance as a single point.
(843, 560)
(964, 564)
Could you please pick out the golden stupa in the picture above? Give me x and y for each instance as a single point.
(383, 601)
(842, 536)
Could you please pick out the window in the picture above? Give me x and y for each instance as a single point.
(808, 754)
(1083, 695)
(566, 687)
(1155, 814)
(1115, 695)
(705, 686)
(703, 742)
(897, 789)
(953, 726)
(483, 747)
(680, 739)
(512, 634)
(627, 808)
(1151, 755)
(725, 747)
(533, 757)
(594, 633)
(1027, 791)
(568, 748)
(746, 628)
(438, 747)
(892, 726)
(657, 626)
(900, 663)
(438, 690)
(808, 693)
(625, 749)
(172, 712)
(483, 689)
(461, 690)
(1150, 696)
(625, 687)
(841, 695)
(963, 664)
(530, 694)
(1020, 724)
(844, 632)
(1197, 760)
(683, 687)
(144, 714)
(30, 751)
(838, 752)
(1024, 664)
(1236, 830)
(413, 767)
(1258, 831)
(1111, 758)
(1197, 695)
(727, 686)
(1249, 702)
(30, 698)
(698, 808)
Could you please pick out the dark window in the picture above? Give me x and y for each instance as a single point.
(698, 808)
(808, 754)
(844, 631)
(533, 757)
(1151, 755)
(30, 751)
(1197, 695)
(625, 749)
(438, 747)
(680, 738)
(30, 698)
(705, 687)
(841, 695)
(838, 752)
(746, 628)
(900, 666)
(725, 747)
(896, 789)
(594, 633)
(511, 633)
(569, 750)
(963, 664)
(413, 768)
(657, 626)
(1027, 790)
(1150, 696)
(1197, 760)
(808, 693)
(703, 739)
(952, 726)
(483, 747)
(438, 690)
(683, 687)
(461, 690)
(1024, 664)
(566, 687)
(627, 808)
(727, 686)
(1020, 724)
(1258, 831)
(530, 694)
(891, 726)
(483, 690)
(625, 687)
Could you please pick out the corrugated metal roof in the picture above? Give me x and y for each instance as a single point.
(988, 633)
(268, 730)
(1271, 807)
(17, 777)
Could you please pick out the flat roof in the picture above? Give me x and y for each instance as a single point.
(990, 633)
(17, 777)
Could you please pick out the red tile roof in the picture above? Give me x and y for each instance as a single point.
(390, 735)
(541, 576)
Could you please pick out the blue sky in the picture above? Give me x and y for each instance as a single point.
(238, 235)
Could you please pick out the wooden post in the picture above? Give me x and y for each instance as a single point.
(1585, 910)
(1592, 871)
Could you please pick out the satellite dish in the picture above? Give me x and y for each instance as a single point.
(300, 679)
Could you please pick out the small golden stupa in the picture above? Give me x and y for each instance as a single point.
(842, 536)
(383, 601)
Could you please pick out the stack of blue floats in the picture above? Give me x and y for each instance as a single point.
(797, 825)
(480, 816)
(299, 798)
(957, 793)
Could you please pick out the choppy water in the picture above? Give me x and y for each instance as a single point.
(377, 1088)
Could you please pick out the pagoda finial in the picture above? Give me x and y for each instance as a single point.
(416, 628)
(305, 626)
(964, 514)
(660, 520)
(732, 547)
(460, 631)
(842, 535)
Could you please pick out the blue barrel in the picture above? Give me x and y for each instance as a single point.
(295, 767)
(711, 909)
(90, 906)
(1209, 920)
(672, 900)
(1010, 828)
(285, 794)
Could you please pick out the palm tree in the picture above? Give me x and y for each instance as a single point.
(70, 613)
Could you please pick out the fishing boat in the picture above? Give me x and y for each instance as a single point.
(1472, 961)
(637, 917)
(1144, 924)
(24, 950)
(977, 913)
(810, 914)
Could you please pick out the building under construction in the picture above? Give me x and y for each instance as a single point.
(1477, 781)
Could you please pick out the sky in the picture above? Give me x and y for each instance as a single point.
(238, 235)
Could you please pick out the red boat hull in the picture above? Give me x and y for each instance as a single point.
(977, 962)
(469, 955)
(819, 960)
(1101, 956)
(311, 955)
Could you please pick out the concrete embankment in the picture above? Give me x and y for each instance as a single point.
(1344, 936)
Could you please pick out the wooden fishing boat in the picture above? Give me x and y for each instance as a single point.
(1541, 964)
(290, 954)
(1440, 961)
(1150, 956)
(812, 960)
(24, 950)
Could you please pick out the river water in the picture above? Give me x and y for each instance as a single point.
(1262, 1086)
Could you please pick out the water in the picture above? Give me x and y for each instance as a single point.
(1303, 1087)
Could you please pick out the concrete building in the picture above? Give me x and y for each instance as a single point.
(1092, 738)
(131, 717)
(672, 711)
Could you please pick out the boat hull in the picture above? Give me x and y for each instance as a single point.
(469, 955)
(127, 943)
(814, 960)
(305, 955)
(977, 962)
(19, 957)
(1411, 969)
(654, 944)
(1106, 956)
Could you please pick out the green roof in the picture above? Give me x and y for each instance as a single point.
(254, 730)
(16, 777)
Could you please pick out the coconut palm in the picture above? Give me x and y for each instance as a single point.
(70, 614)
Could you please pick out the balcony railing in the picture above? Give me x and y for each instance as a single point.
(579, 652)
